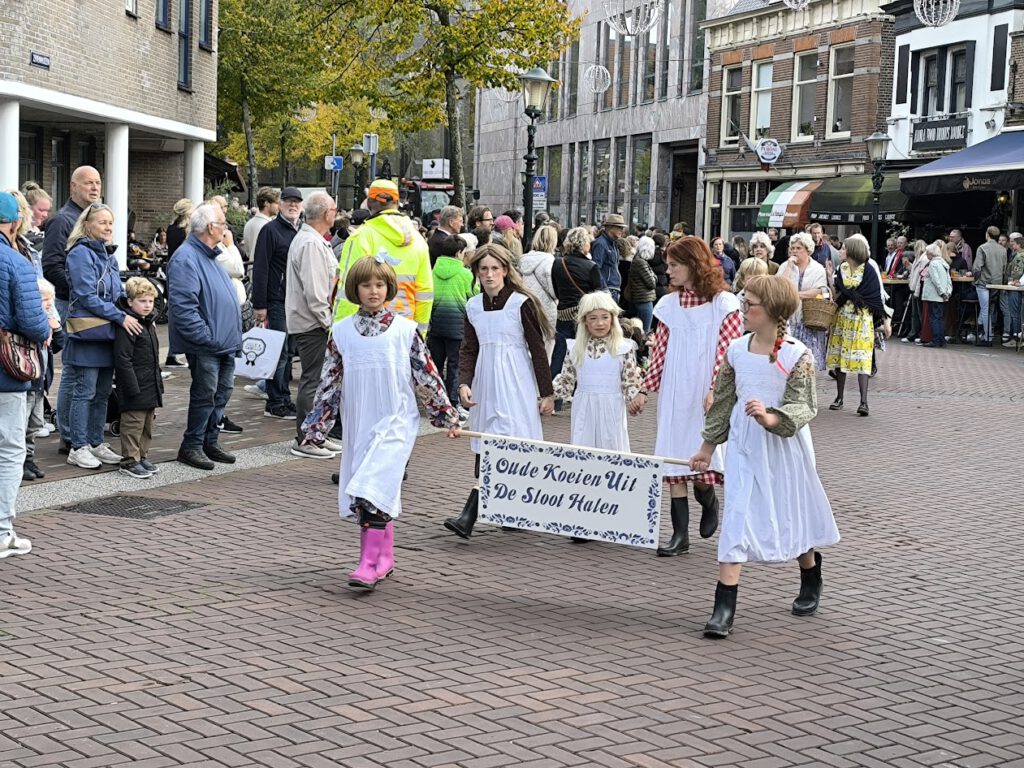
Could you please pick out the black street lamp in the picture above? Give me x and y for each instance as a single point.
(536, 86)
(878, 144)
(356, 155)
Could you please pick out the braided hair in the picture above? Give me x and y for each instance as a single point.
(780, 336)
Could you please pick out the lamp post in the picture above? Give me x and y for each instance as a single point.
(536, 86)
(356, 155)
(878, 144)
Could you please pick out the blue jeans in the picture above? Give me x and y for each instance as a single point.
(1009, 302)
(645, 311)
(937, 322)
(213, 379)
(984, 315)
(88, 411)
(68, 374)
(278, 393)
(564, 330)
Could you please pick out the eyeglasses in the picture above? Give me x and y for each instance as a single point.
(218, 223)
(745, 305)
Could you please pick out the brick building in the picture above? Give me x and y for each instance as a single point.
(817, 82)
(131, 89)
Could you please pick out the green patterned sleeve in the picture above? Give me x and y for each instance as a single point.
(800, 402)
(716, 420)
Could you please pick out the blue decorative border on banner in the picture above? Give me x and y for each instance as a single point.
(573, 452)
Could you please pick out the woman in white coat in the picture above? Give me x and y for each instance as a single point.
(536, 269)
(810, 280)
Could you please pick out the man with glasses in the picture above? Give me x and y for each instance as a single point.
(205, 325)
(480, 217)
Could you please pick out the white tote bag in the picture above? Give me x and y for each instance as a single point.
(261, 349)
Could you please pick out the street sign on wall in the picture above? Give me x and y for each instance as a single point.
(540, 193)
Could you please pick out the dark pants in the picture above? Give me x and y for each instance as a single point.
(645, 311)
(312, 347)
(915, 319)
(213, 378)
(278, 392)
(937, 322)
(444, 350)
(564, 329)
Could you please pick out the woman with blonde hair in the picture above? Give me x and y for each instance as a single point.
(748, 268)
(40, 202)
(810, 280)
(21, 241)
(573, 275)
(535, 267)
(916, 271)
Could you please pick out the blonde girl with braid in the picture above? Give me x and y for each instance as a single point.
(775, 507)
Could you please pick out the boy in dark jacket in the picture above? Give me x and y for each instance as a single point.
(140, 387)
(453, 287)
(37, 395)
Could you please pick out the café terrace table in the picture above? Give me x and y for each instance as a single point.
(1015, 289)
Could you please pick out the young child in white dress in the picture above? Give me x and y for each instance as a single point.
(376, 363)
(600, 375)
(775, 507)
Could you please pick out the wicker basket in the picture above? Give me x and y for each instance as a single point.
(818, 313)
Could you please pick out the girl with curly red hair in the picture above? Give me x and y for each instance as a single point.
(697, 322)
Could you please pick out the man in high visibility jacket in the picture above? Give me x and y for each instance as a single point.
(394, 233)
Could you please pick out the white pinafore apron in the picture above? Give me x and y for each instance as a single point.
(379, 415)
(686, 381)
(598, 407)
(775, 506)
(504, 385)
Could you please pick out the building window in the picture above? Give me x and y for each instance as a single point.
(649, 65)
(625, 72)
(553, 92)
(666, 53)
(804, 93)
(555, 181)
(131, 7)
(958, 83)
(30, 156)
(619, 198)
(714, 201)
(185, 44)
(840, 85)
(584, 191)
(206, 24)
(700, 10)
(931, 85)
(745, 198)
(732, 100)
(602, 174)
(570, 190)
(761, 101)
(163, 14)
(640, 200)
(611, 47)
(572, 78)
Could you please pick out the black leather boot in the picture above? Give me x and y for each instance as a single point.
(708, 510)
(463, 524)
(720, 623)
(680, 541)
(806, 602)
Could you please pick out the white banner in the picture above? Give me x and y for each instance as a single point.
(570, 491)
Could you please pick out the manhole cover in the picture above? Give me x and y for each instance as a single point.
(133, 507)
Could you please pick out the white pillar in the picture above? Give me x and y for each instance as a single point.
(10, 115)
(194, 160)
(115, 185)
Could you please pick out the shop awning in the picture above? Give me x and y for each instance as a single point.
(849, 200)
(993, 165)
(787, 205)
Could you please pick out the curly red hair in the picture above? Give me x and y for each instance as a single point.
(694, 254)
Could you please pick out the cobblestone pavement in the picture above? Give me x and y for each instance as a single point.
(224, 635)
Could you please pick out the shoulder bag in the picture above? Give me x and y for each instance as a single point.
(19, 356)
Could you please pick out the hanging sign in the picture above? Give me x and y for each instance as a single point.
(768, 151)
(938, 135)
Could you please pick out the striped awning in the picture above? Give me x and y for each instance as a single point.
(787, 205)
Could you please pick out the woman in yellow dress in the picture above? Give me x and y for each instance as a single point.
(851, 343)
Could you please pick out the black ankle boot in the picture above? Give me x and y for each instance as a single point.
(720, 623)
(708, 510)
(680, 541)
(463, 524)
(806, 602)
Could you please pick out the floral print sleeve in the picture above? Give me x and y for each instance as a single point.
(716, 421)
(631, 376)
(427, 381)
(800, 402)
(327, 403)
(565, 382)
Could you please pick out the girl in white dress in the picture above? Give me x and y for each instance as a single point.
(375, 365)
(503, 365)
(602, 372)
(775, 507)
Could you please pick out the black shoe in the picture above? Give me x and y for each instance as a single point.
(679, 511)
(173, 362)
(806, 602)
(983, 344)
(720, 623)
(708, 510)
(194, 458)
(279, 412)
(837, 405)
(335, 477)
(862, 410)
(831, 373)
(27, 474)
(227, 425)
(218, 454)
(462, 525)
(65, 448)
(578, 540)
(31, 465)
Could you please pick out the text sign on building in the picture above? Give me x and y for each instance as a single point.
(937, 135)
(40, 60)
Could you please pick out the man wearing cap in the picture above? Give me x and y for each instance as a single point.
(604, 253)
(390, 231)
(269, 273)
(21, 312)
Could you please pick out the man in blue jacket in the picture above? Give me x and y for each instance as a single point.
(204, 324)
(86, 189)
(21, 312)
(604, 253)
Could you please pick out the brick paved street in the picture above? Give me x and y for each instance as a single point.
(224, 635)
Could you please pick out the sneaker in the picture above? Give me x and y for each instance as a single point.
(83, 457)
(310, 451)
(331, 445)
(41, 433)
(173, 362)
(227, 425)
(281, 412)
(165, 374)
(1010, 344)
(906, 339)
(106, 454)
(253, 390)
(13, 544)
(137, 471)
(151, 468)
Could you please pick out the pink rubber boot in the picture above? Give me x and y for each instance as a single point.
(386, 561)
(370, 544)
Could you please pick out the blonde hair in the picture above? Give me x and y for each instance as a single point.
(576, 239)
(595, 302)
(34, 193)
(24, 212)
(545, 239)
(749, 267)
(948, 250)
(46, 289)
(365, 270)
(183, 212)
(139, 287)
(78, 231)
(779, 300)
(513, 278)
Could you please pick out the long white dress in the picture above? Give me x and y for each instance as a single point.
(379, 414)
(689, 363)
(504, 384)
(599, 404)
(775, 506)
